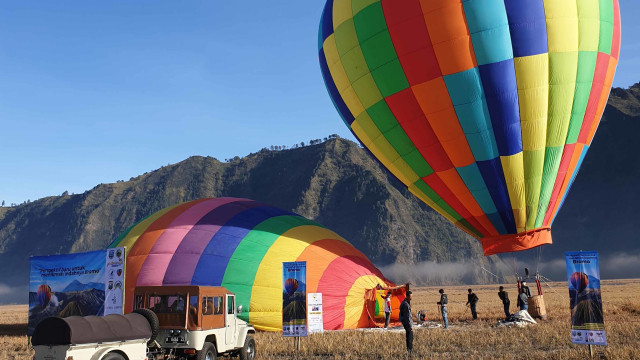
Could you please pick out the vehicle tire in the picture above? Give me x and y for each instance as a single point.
(154, 323)
(208, 352)
(248, 351)
(113, 356)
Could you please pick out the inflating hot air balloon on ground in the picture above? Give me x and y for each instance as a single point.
(483, 109)
(240, 244)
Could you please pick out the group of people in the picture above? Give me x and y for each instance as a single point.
(472, 300)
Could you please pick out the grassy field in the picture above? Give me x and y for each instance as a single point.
(465, 339)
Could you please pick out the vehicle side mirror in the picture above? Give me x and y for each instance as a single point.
(239, 309)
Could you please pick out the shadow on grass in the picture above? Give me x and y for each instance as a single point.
(13, 329)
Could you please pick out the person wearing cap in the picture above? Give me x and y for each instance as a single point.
(472, 301)
(407, 321)
(443, 307)
(387, 309)
(523, 297)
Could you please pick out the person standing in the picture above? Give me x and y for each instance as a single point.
(523, 301)
(407, 321)
(387, 309)
(443, 307)
(472, 300)
(525, 289)
(504, 296)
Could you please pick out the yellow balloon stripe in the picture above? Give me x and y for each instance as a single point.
(354, 316)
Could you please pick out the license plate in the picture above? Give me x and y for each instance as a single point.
(174, 339)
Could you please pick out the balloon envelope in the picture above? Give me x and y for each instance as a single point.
(44, 295)
(241, 244)
(483, 109)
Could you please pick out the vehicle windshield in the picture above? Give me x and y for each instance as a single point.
(167, 304)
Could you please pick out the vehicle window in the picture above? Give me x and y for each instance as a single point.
(138, 302)
(193, 302)
(217, 301)
(207, 306)
(230, 305)
(167, 304)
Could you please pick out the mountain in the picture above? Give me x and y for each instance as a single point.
(76, 285)
(336, 183)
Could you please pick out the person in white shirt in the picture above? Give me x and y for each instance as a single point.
(387, 309)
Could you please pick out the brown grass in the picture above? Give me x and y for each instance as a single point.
(465, 340)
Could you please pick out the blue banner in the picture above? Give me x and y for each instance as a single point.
(294, 298)
(587, 319)
(75, 285)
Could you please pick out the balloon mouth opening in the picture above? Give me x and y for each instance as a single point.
(516, 242)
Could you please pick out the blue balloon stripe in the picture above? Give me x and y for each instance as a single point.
(501, 92)
(528, 27)
(489, 29)
(493, 176)
(326, 23)
(475, 183)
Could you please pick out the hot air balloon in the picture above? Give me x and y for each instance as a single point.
(241, 244)
(290, 286)
(579, 281)
(44, 295)
(483, 109)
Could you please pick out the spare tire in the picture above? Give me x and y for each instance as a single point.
(154, 323)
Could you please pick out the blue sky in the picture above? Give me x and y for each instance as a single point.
(98, 91)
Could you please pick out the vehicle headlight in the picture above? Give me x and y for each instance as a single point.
(178, 332)
(170, 332)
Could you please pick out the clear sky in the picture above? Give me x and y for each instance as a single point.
(98, 91)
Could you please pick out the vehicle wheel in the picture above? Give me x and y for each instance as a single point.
(113, 356)
(208, 352)
(248, 351)
(154, 323)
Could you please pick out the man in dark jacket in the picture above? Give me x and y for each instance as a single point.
(504, 296)
(472, 300)
(443, 307)
(407, 320)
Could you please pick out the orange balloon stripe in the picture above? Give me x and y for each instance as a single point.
(575, 159)
(320, 254)
(611, 71)
(449, 35)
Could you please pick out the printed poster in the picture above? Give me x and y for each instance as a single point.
(587, 320)
(75, 285)
(314, 311)
(294, 298)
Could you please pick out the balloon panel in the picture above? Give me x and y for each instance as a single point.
(483, 109)
(241, 244)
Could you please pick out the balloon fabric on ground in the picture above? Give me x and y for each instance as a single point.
(240, 244)
(483, 109)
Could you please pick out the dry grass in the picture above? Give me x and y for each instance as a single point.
(465, 340)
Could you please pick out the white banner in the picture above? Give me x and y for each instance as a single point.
(314, 303)
(114, 281)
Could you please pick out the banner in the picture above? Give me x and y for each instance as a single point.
(587, 320)
(294, 298)
(314, 301)
(75, 284)
(114, 291)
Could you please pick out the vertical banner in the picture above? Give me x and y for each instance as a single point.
(294, 298)
(74, 285)
(314, 303)
(587, 320)
(114, 286)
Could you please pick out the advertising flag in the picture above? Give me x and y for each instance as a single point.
(587, 320)
(294, 298)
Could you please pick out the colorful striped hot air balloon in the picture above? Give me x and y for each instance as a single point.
(483, 109)
(240, 244)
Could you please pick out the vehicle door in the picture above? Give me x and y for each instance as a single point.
(230, 321)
